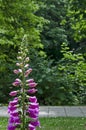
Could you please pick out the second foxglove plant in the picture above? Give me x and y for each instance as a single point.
(23, 109)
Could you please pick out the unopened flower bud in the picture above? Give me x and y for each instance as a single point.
(17, 71)
(27, 59)
(32, 91)
(17, 64)
(26, 65)
(19, 58)
(30, 80)
(13, 93)
(28, 72)
(17, 82)
(32, 85)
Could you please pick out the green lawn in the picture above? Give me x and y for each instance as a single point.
(60, 123)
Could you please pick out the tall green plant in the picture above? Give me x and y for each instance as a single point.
(24, 108)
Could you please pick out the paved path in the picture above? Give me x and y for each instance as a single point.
(55, 111)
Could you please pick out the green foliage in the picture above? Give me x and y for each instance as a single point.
(61, 74)
(62, 84)
(53, 34)
(77, 22)
(16, 20)
(72, 76)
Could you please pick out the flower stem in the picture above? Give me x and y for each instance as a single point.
(23, 98)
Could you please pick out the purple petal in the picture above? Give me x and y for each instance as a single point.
(13, 93)
(32, 84)
(35, 123)
(11, 127)
(31, 127)
(30, 80)
(28, 72)
(32, 91)
(14, 102)
(33, 99)
(34, 105)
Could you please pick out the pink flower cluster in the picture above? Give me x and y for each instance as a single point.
(33, 112)
(23, 105)
(14, 119)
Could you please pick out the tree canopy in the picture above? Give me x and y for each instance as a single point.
(56, 43)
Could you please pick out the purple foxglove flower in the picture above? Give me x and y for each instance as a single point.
(32, 85)
(33, 116)
(30, 80)
(13, 93)
(33, 99)
(15, 113)
(17, 120)
(17, 71)
(14, 120)
(11, 120)
(34, 105)
(16, 98)
(28, 72)
(31, 127)
(11, 108)
(11, 127)
(17, 107)
(17, 82)
(32, 91)
(35, 123)
(14, 102)
(33, 113)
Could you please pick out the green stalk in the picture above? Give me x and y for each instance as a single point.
(23, 98)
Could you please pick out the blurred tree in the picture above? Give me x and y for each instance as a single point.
(72, 76)
(77, 24)
(53, 34)
(17, 18)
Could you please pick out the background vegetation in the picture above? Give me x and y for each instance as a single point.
(56, 38)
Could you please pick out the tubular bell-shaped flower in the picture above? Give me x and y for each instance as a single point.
(30, 81)
(17, 82)
(32, 91)
(33, 99)
(11, 127)
(31, 127)
(13, 93)
(35, 123)
(28, 72)
(32, 85)
(17, 71)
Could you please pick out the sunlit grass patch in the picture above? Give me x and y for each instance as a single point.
(59, 123)
(63, 123)
(3, 123)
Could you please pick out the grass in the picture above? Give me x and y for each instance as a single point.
(60, 123)
(3, 123)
